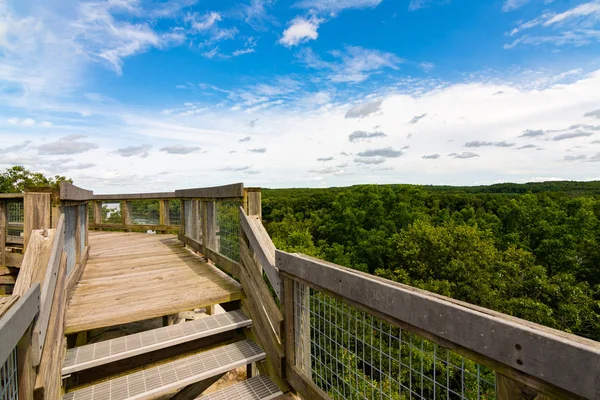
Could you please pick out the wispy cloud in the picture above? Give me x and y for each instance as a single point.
(178, 149)
(510, 5)
(259, 150)
(234, 169)
(16, 147)
(464, 154)
(323, 159)
(579, 157)
(387, 152)
(334, 6)
(418, 4)
(431, 156)
(478, 143)
(131, 151)
(595, 114)
(532, 133)
(417, 118)
(572, 135)
(357, 136)
(369, 160)
(245, 139)
(364, 109)
(353, 64)
(527, 146)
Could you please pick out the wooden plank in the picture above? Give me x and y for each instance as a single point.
(35, 261)
(519, 345)
(11, 195)
(14, 260)
(288, 317)
(97, 213)
(305, 387)
(48, 378)
(263, 246)
(2, 232)
(209, 220)
(17, 320)
(134, 227)
(509, 389)
(254, 199)
(6, 303)
(68, 191)
(48, 291)
(163, 216)
(25, 370)
(76, 273)
(136, 196)
(36, 209)
(235, 190)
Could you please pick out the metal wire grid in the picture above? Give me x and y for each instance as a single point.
(9, 389)
(228, 229)
(354, 355)
(174, 212)
(187, 209)
(111, 212)
(70, 241)
(144, 212)
(14, 218)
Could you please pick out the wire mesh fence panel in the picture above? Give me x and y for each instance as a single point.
(144, 212)
(14, 218)
(70, 240)
(111, 212)
(187, 209)
(174, 212)
(228, 229)
(351, 354)
(9, 389)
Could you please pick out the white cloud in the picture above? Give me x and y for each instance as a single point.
(334, 6)
(510, 5)
(300, 30)
(199, 23)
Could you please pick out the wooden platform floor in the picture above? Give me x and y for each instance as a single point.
(134, 276)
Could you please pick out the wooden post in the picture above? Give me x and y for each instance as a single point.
(25, 370)
(209, 219)
(126, 214)
(97, 213)
(36, 214)
(509, 389)
(78, 216)
(2, 233)
(87, 223)
(182, 218)
(195, 223)
(164, 218)
(254, 202)
(288, 319)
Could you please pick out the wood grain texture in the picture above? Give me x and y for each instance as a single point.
(6, 302)
(222, 262)
(235, 190)
(14, 260)
(68, 191)
(2, 232)
(132, 277)
(37, 213)
(532, 350)
(35, 260)
(136, 196)
(509, 389)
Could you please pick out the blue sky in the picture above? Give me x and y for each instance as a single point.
(128, 95)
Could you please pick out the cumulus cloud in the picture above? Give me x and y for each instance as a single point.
(322, 159)
(364, 109)
(478, 143)
(245, 139)
(66, 145)
(131, 151)
(259, 150)
(464, 154)
(178, 149)
(357, 136)
(417, 118)
(300, 30)
(387, 152)
(431, 156)
(595, 114)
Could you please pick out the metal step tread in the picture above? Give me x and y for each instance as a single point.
(258, 388)
(93, 355)
(168, 377)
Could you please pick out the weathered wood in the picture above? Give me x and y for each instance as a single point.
(163, 216)
(223, 262)
(182, 217)
(48, 290)
(521, 346)
(263, 246)
(509, 389)
(303, 386)
(2, 232)
(235, 190)
(14, 260)
(25, 369)
(97, 213)
(254, 201)
(17, 320)
(136, 227)
(36, 209)
(7, 302)
(48, 378)
(209, 225)
(11, 195)
(68, 191)
(136, 196)
(76, 273)
(7, 280)
(35, 261)
(288, 317)
(195, 225)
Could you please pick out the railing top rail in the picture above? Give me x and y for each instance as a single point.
(136, 196)
(566, 361)
(68, 191)
(235, 190)
(12, 195)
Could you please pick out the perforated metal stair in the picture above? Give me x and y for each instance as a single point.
(172, 376)
(258, 388)
(93, 355)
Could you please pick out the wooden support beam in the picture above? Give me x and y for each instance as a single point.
(25, 369)
(192, 392)
(235, 190)
(163, 216)
(97, 213)
(254, 201)
(509, 389)
(136, 196)
(35, 262)
(68, 191)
